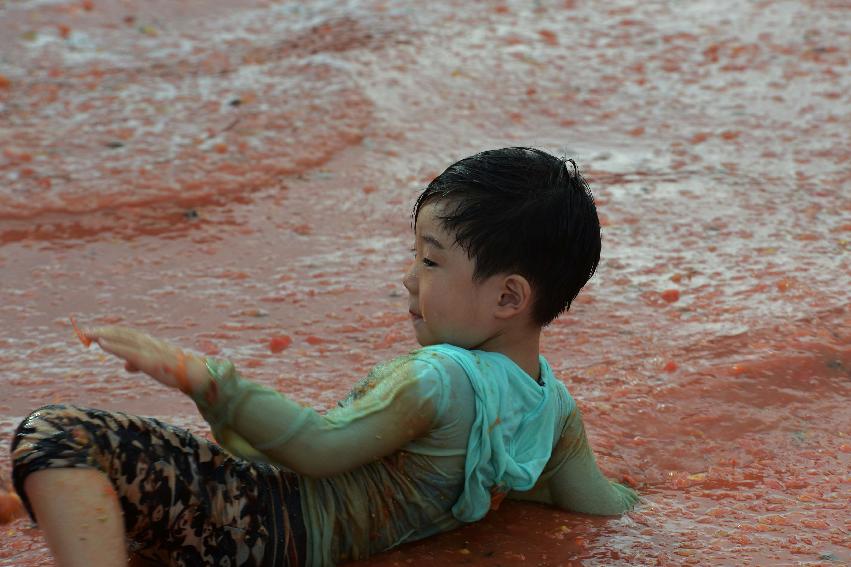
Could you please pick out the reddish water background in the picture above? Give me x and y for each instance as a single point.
(225, 175)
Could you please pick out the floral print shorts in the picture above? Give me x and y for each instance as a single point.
(186, 501)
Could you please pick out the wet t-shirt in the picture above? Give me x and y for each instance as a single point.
(424, 443)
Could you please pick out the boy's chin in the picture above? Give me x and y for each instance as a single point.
(431, 341)
(425, 340)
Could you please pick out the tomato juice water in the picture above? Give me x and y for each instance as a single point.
(238, 178)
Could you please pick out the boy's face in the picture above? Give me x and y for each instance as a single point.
(446, 305)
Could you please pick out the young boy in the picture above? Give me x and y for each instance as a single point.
(505, 240)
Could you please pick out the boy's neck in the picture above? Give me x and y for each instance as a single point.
(523, 347)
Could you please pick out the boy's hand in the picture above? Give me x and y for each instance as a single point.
(162, 361)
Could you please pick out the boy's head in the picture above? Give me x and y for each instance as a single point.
(520, 211)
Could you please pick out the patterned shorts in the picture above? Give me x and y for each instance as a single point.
(186, 501)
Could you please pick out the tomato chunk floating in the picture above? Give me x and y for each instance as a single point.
(279, 343)
(671, 295)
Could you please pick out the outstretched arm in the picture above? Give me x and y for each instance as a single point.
(258, 423)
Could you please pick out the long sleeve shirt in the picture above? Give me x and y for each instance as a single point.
(424, 443)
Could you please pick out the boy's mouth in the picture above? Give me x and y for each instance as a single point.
(415, 316)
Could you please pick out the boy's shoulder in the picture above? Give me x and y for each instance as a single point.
(433, 367)
(491, 371)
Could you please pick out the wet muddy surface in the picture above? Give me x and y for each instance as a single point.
(238, 178)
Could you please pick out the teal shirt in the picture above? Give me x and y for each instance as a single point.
(424, 443)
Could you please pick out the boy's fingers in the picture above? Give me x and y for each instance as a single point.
(98, 333)
(117, 335)
(108, 346)
(112, 333)
(118, 349)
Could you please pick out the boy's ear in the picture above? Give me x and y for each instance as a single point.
(515, 297)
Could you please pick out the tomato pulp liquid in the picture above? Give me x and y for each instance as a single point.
(237, 177)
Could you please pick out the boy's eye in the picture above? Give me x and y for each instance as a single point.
(426, 262)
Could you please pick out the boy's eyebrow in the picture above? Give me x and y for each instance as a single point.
(433, 241)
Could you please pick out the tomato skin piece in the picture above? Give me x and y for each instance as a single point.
(278, 344)
(549, 37)
(671, 295)
(83, 338)
(11, 507)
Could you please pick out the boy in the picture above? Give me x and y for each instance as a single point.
(504, 242)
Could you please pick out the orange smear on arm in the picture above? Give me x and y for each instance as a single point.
(181, 375)
(83, 338)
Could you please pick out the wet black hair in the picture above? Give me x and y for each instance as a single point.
(522, 210)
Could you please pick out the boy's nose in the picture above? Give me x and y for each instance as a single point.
(410, 279)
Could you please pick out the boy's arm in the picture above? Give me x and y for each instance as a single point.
(159, 359)
(576, 483)
(258, 423)
(539, 493)
(262, 424)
